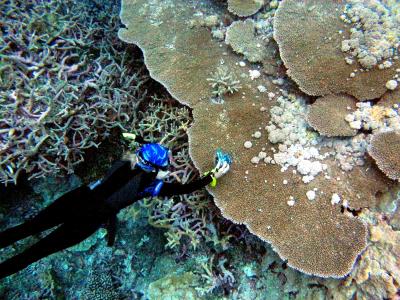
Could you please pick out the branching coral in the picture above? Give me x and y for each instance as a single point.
(188, 219)
(62, 89)
(223, 82)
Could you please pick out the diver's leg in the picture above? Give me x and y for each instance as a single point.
(50, 216)
(65, 236)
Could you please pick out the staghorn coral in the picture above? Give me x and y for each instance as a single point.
(309, 35)
(336, 107)
(240, 35)
(384, 149)
(259, 196)
(244, 8)
(62, 89)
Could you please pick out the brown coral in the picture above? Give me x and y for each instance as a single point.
(327, 115)
(377, 275)
(390, 98)
(309, 34)
(241, 37)
(384, 149)
(314, 237)
(244, 8)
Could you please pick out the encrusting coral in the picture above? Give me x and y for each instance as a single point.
(384, 149)
(260, 195)
(310, 35)
(336, 107)
(244, 8)
(61, 89)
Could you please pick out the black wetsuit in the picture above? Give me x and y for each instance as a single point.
(82, 211)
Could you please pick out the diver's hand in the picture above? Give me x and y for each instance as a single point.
(221, 169)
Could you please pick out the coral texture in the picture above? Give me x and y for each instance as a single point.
(309, 35)
(271, 203)
(244, 8)
(375, 33)
(174, 287)
(384, 149)
(377, 275)
(240, 35)
(327, 115)
(61, 89)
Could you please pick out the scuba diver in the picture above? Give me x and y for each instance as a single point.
(82, 211)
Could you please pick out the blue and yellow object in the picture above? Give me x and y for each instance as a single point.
(220, 156)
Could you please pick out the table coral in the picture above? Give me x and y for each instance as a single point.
(244, 8)
(327, 115)
(240, 35)
(384, 149)
(309, 35)
(377, 275)
(254, 195)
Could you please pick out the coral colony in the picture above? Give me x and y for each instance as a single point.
(305, 95)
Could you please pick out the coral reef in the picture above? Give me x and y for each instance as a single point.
(222, 82)
(384, 149)
(375, 35)
(336, 107)
(310, 35)
(273, 204)
(100, 287)
(240, 35)
(62, 88)
(174, 287)
(375, 117)
(305, 193)
(244, 8)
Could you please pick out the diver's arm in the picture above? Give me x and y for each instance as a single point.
(119, 166)
(170, 189)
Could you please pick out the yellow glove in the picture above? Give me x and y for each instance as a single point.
(220, 170)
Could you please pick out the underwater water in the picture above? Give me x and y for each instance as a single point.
(303, 98)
